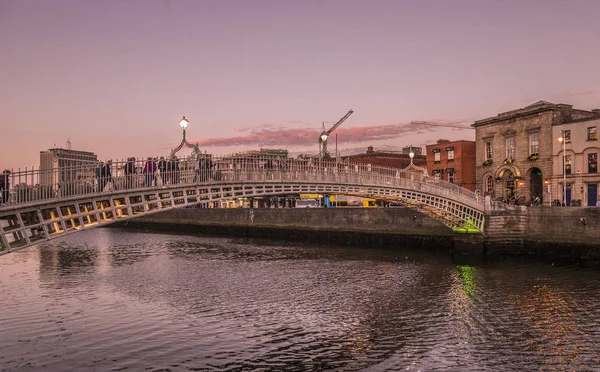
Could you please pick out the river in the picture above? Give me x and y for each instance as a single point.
(112, 299)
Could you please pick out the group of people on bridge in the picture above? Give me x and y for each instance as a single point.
(153, 172)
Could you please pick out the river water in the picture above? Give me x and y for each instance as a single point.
(111, 299)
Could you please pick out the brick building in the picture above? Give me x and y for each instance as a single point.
(516, 150)
(453, 162)
(390, 158)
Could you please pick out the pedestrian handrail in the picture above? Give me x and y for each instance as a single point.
(35, 184)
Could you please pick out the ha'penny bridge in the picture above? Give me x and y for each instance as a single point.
(45, 204)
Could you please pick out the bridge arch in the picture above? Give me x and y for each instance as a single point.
(29, 219)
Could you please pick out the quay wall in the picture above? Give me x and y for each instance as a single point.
(381, 227)
(553, 232)
(570, 232)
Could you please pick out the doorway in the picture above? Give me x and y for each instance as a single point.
(509, 186)
(535, 184)
(592, 189)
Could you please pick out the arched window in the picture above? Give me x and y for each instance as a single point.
(489, 184)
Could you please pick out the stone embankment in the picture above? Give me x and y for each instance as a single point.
(380, 227)
(551, 232)
(569, 232)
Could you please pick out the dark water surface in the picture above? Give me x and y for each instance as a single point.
(108, 299)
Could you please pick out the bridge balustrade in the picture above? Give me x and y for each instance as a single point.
(55, 201)
(32, 185)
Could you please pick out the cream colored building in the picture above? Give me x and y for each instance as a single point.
(516, 152)
(579, 165)
(58, 165)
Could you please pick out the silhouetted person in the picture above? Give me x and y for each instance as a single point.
(4, 186)
(99, 183)
(105, 174)
(149, 170)
(162, 167)
(129, 172)
(203, 168)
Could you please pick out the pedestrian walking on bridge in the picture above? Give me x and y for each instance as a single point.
(4, 186)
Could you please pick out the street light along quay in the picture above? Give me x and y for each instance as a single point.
(563, 140)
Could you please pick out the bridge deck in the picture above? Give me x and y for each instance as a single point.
(54, 203)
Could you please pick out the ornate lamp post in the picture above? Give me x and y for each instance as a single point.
(411, 155)
(563, 140)
(183, 123)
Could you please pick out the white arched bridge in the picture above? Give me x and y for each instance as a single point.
(42, 204)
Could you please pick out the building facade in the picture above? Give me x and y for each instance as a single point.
(388, 158)
(60, 165)
(453, 161)
(516, 151)
(576, 151)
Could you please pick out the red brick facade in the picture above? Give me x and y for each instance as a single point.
(461, 169)
(388, 159)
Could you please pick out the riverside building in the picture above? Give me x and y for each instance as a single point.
(517, 152)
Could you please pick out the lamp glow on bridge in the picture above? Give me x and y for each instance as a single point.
(183, 123)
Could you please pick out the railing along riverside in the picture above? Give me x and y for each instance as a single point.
(34, 185)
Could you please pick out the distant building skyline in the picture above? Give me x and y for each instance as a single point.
(116, 77)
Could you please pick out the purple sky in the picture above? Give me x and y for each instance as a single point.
(115, 76)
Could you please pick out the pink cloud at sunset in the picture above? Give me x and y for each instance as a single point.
(585, 93)
(274, 135)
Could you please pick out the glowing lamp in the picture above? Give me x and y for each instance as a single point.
(184, 123)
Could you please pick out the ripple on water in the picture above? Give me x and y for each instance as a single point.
(108, 299)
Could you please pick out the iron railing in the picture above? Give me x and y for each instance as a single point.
(20, 187)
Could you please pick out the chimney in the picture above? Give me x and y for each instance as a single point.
(370, 150)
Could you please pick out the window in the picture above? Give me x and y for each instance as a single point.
(567, 135)
(568, 164)
(488, 150)
(510, 147)
(450, 176)
(436, 157)
(592, 134)
(489, 184)
(534, 143)
(593, 163)
(450, 155)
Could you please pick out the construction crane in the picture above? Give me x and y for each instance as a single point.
(325, 134)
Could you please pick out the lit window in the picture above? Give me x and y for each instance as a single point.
(534, 143)
(593, 163)
(488, 150)
(450, 155)
(489, 184)
(592, 134)
(510, 147)
(436, 157)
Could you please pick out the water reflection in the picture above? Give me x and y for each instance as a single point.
(131, 300)
(63, 259)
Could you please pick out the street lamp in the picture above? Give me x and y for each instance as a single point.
(411, 155)
(183, 123)
(563, 140)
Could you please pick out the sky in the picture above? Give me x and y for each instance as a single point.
(115, 76)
